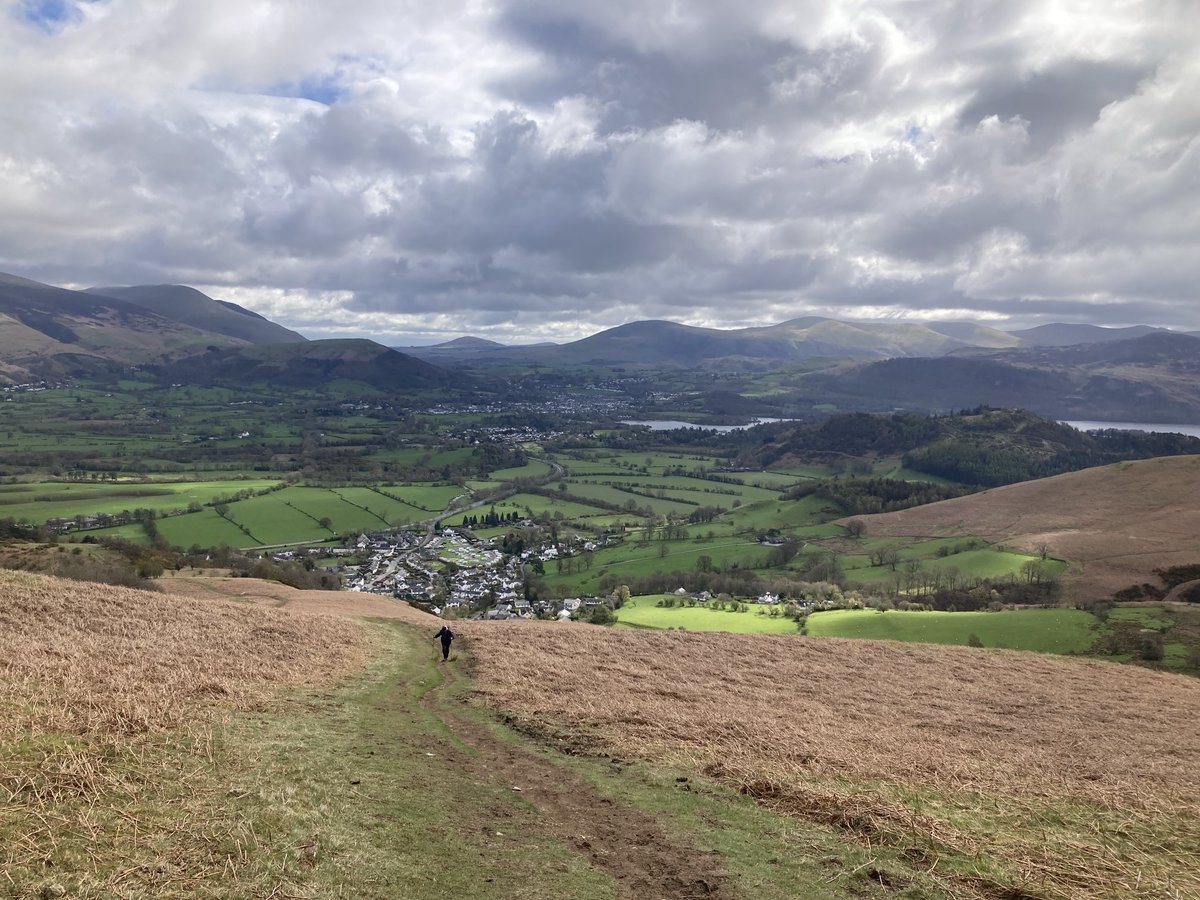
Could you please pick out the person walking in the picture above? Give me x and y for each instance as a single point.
(446, 636)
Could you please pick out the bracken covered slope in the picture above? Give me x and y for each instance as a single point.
(1116, 523)
(1002, 774)
(86, 657)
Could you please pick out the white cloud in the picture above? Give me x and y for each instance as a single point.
(540, 169)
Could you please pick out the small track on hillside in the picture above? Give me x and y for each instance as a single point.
(622, 841)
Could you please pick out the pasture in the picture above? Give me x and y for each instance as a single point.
(1043, 630)
(650, 462)
(641, 612)
(295, 514)
(38, 502)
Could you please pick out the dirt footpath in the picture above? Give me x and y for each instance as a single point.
(627, 844)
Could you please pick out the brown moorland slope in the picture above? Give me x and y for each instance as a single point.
(1083, 777)
(260, 592)
(957, 717)
(86, 657)
(1115, 523)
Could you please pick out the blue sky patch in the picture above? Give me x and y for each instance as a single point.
(49, 15)
(320, 89)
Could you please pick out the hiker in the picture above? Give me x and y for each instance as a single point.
(446, 636)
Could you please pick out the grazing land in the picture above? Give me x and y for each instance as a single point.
(641, 612)
(1044, 630)
(43, 501)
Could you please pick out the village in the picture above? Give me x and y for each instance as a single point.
(453, 572)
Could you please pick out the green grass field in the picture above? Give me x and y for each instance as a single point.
(40, 501)
(293, 515)
(1044, 630)
(532, 469)
(641, 612)
(781, 514)
(617, 497)
(204, 528)
(631, 461)
(991, 562)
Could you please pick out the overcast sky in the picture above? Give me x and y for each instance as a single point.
(415, 170)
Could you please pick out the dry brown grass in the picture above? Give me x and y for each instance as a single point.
(1100, 760)
(108, 696)
(203, 585)
(83, 657)
(1114, 523)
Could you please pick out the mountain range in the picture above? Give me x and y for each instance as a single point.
(1153, 378)
(185, 335)
(658, 344)
(1064, 370)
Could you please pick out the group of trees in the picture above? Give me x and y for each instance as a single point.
(491, 519)
(862, 496)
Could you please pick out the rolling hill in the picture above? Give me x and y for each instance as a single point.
(1151, 378)
(661, 343)
(1062, 334)
(52, 331)
(311, 364)
(191, 307)
(714, 766)
(1115, 523)
(982, 448)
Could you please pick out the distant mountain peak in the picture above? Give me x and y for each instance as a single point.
(467, 342)
(1062, 334)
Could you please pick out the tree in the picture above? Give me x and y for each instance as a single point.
(601, 615)
(1034, 571)
(704, 563)
(856, 528)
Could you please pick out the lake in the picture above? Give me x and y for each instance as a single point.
(1190, 430)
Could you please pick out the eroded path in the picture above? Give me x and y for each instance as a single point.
(630, 846)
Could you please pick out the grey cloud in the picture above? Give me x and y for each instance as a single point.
(1056, 100)
(729, 83)
(591, 163)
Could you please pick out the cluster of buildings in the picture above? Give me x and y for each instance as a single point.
(451, 569)
(31, 387)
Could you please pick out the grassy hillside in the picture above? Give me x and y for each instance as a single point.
(1042, 630)
(1116, 523)
(1004, 774)
(311, 364)
(1152, 378)
(721, 766)
(188, 305)
(378, 785)
(50, 331)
